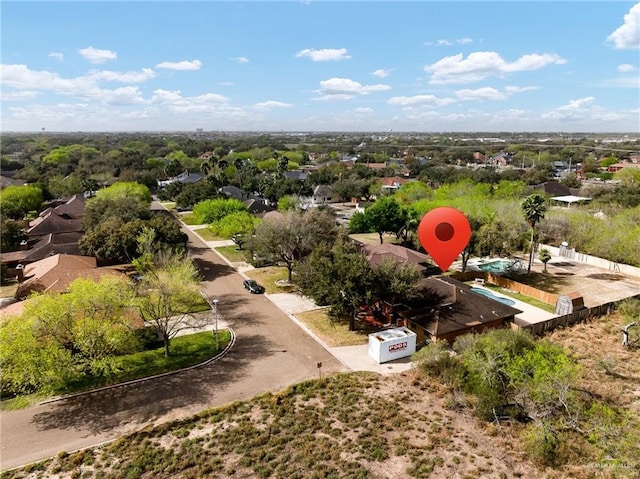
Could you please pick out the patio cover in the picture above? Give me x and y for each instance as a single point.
(569, 199)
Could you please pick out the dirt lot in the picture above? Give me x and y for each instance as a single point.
(597, 285)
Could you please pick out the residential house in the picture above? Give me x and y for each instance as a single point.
(57, 272)
(185, 178)
(618, 166)
(376, 254)
(323, 195)
(392, 184)
(57, 229)
(7, 181)
(448, 309)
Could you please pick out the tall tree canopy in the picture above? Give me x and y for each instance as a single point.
(17, 201)
(293, 235)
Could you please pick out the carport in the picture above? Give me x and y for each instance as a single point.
(568, 200)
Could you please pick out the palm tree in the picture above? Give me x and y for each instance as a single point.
(533, 210)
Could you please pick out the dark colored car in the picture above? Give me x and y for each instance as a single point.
(252, 286)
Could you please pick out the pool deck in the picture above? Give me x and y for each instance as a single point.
(530, 314)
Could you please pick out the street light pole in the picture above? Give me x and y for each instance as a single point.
(215, 312)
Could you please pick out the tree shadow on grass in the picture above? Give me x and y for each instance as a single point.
(151, 399)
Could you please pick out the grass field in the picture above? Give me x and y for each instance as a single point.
(332, 333)
(231, 253)
(268, 276)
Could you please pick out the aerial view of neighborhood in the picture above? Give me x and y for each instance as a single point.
(314, 239)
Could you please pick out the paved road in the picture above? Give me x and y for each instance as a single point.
(271, 353)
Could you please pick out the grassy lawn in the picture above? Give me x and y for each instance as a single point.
(8, 290)
(206, 234)
(232, 253)
(170, 205)
(268, 276)
(186, 351)
(188, 219)
(374, 238)
(333, 334)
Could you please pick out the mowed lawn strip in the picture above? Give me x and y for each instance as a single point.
(187, 350)
(268, 276)
(231, 253)
(332, 333)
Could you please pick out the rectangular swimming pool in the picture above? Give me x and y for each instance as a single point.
(499, 266)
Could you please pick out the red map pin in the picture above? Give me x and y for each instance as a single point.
(444, 232)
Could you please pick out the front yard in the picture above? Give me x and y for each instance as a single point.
(273, 278)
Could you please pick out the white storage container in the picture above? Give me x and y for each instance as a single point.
(392, 344)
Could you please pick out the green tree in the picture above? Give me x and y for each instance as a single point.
(396, 281)
(629, 176)
(358, 223)
(17, 201)
(385, 216)
(293, 236)
(545, 257)
(126, 189)
(167, 296)
(240, 224)
(209, 211)
(533, 210)
(100, 209)
(288, 202)
(62, 337)
(340, 277)
(60, 186)
(12, 235)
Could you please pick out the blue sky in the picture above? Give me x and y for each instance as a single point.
(321, 66)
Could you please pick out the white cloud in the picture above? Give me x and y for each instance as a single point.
(363, 110)
(345, 89)
(626, 67)
(240, 59)
(95, 55)
(582, 110)
(481, 94)
(324, 55)
(183, 65)
(57, 55)
(126, 77)
(480, 65)
(268, 105)
(21, 78)
(447, 43)
(18, 95)
(128, 95)
(174, 100)
(490, 94)
(418, 100)
(627, 35)
(381, 73)
(225, 83)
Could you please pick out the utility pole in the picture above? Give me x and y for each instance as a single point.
(215, 315)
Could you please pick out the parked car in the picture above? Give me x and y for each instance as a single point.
(253, 286)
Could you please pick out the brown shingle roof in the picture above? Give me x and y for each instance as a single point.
(57, 272)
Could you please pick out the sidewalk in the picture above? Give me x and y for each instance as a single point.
(355, 358)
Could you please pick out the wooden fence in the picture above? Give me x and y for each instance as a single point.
(544, 296)
(538, 329)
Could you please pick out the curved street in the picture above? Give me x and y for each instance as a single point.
(271, 352)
